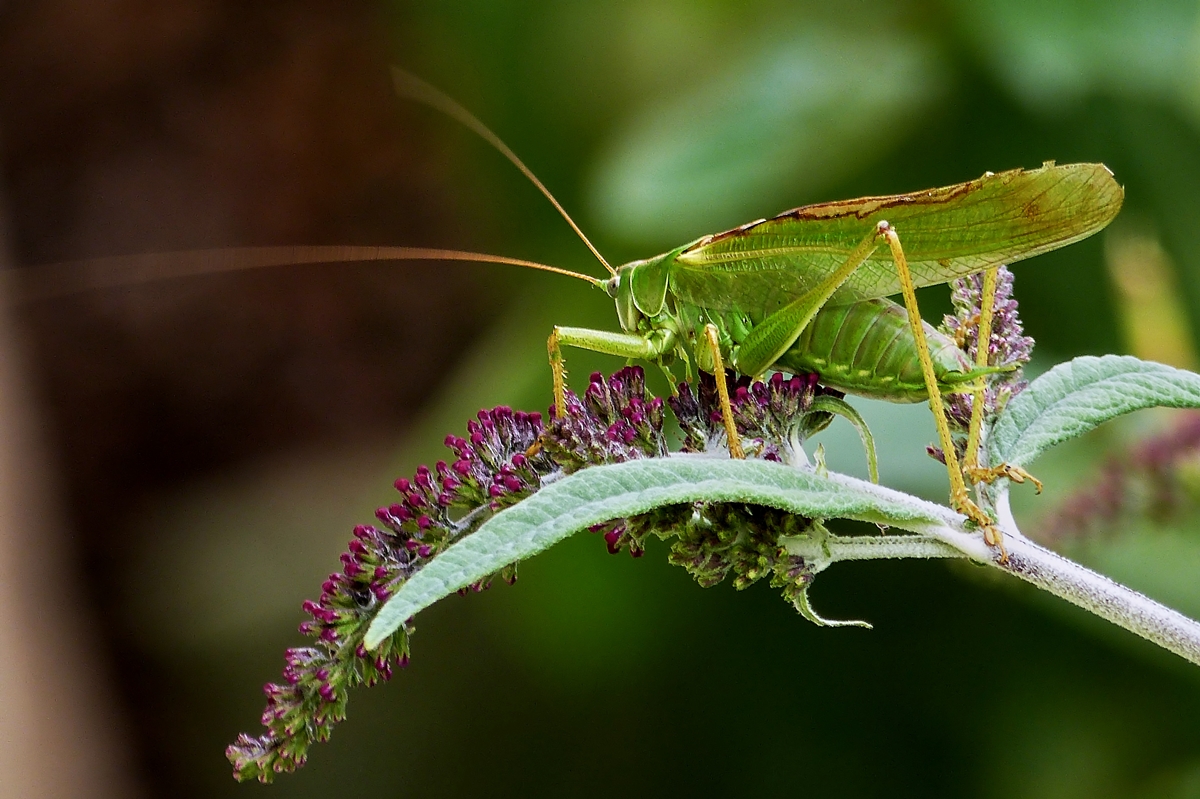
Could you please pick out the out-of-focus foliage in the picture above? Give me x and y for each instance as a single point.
(804, 108)
(655, 123)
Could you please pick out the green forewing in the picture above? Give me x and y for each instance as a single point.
(946, 233)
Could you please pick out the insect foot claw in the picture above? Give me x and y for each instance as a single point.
(979, 474)
(994, 538)
(991, 534)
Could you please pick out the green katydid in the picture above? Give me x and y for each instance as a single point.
(804, 291)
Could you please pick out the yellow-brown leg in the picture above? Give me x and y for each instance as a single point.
(714, 344)
(558, 371)
(983, 345)
(971, 468)
(990, 474)
(959, 497)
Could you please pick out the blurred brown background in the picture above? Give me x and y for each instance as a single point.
(186, 458)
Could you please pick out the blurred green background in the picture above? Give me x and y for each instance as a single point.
(219, 437)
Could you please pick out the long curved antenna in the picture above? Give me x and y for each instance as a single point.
(30, 284)
(413, 88)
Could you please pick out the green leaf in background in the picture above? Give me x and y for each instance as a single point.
(1049, 53)
(602, 493)
(802, 113)
(1077, 396)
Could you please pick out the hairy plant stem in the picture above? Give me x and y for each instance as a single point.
(833, 548)
(1026, 560)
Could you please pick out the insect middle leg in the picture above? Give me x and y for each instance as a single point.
(713, 339)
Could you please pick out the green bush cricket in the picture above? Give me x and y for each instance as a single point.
(804, 291)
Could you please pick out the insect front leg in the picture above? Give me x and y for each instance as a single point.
(645, 347)
(959, 497)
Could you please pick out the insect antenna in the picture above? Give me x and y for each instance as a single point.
(73, 277)
(47, 281)
(411, 87)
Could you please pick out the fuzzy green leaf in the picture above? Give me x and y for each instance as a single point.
(601, 493)
(1078, 396)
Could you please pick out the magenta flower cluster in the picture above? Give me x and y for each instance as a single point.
(615, 420)
(767, 415)
(497, 465)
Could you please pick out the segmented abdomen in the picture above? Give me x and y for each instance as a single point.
(867, 348)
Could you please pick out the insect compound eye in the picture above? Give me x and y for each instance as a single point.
(612, 286)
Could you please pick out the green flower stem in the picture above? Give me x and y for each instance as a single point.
(835, 548)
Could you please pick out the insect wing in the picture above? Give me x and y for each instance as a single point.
(946, 233)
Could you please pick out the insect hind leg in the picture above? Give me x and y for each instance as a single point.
(960, 499)
(972, 468)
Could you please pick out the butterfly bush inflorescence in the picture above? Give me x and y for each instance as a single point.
(506, 456)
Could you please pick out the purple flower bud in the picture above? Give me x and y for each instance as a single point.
(423, 478)
(613, 538)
